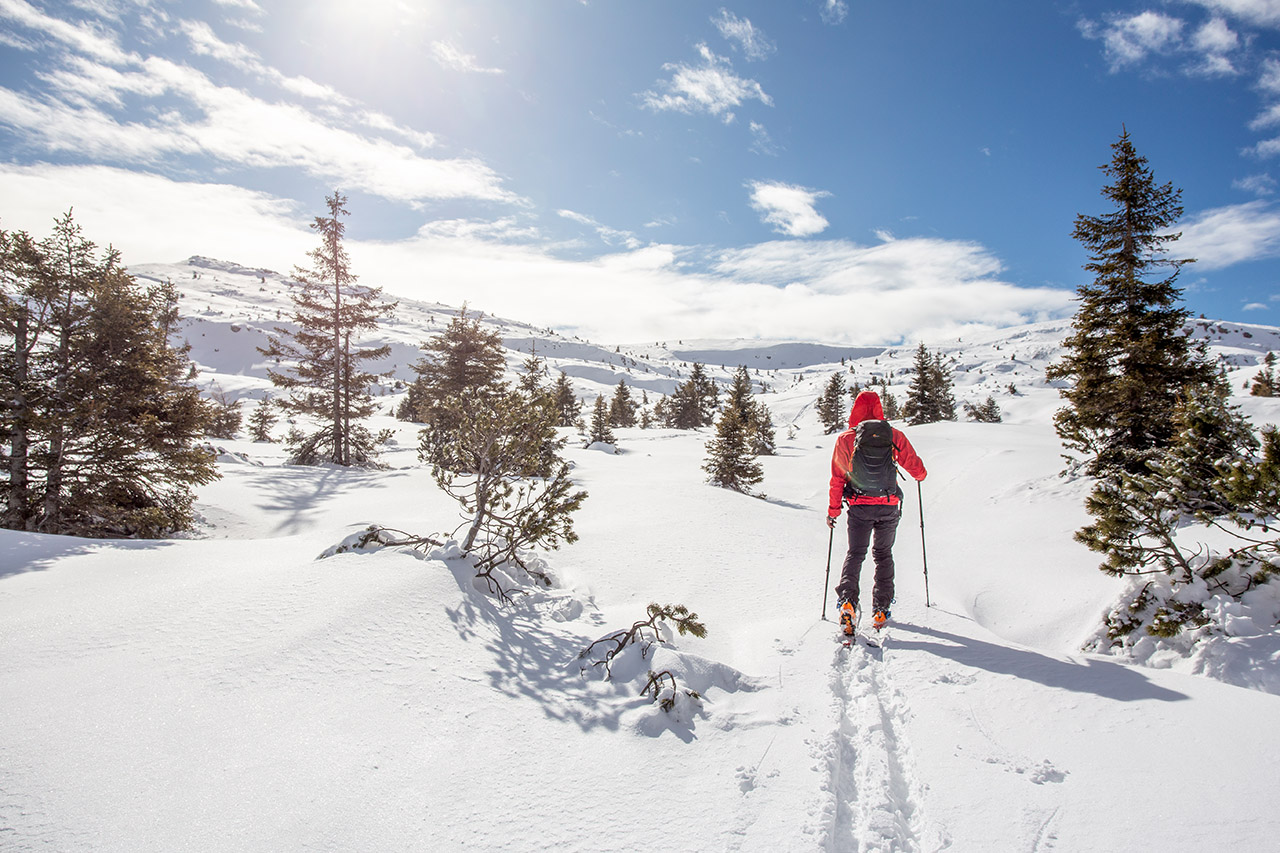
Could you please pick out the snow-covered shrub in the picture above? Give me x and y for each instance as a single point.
(663, 619)
(1213, 484)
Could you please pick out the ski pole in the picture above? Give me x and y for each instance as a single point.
(827, 583)
(923, 549)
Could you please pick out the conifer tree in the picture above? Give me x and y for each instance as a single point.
(622, 408)
(692, 404)
(929, 397)
(831, 409)
(567, 405)
(755, 416)
(730, 463)
(496, 441)
(262, 419)
(101, 429)
(1128, 359)
(987, 412)
(227, 416)
(1264, 384)
(324, 374)
(463, 359)
(601, 429)
(888, 401)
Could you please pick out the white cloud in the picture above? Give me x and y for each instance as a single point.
(1130, 40)
(761, 141)
(1224, 236)
(710, 88)
(248, 5)
(753, 42)
(185, 113)
(453, 58)
(1262, 184)
(1259, 12)
(834, 11)
(84, 39)
(908, 289)
(165, 221)
(612, 236)
(1256, 306)
(790, 209)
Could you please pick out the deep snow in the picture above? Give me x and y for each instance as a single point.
(234, 692)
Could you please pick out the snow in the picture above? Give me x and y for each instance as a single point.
(236, 691)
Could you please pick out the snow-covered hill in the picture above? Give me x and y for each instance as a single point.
(234, 692)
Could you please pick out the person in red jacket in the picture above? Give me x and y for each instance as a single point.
(866, 478)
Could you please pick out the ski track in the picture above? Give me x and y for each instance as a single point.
(877, 807)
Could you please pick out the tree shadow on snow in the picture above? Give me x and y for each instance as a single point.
(537, 659)
(22, 552)
(295, 491)
(1107, 679)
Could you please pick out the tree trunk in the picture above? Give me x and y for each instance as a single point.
(17, 514)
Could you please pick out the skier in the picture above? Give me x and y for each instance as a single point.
(864, 473)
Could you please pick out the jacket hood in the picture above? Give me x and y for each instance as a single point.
(866, 408)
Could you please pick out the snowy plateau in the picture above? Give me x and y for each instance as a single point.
(232, 691)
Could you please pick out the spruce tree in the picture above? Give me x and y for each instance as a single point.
(324, 376)
(888, 401)
(101, 431)
(929, 397)
(463, 359)
(730, 463)
(1128, 360)
(1264, 383)
(755, 416)
(622, 408)
(831, 409)
(227, 416)
(601, 429)
(987, 412)
(262, 419)
(568, 406)
(941, 385)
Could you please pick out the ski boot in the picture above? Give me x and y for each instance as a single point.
(848, 617)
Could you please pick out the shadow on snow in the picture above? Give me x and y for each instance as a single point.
(1101, 678)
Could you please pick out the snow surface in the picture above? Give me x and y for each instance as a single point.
(233, 691)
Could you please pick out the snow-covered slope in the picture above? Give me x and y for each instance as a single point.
(234, 692)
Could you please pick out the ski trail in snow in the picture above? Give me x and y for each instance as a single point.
(877, 803)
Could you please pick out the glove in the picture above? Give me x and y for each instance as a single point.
(831, 519)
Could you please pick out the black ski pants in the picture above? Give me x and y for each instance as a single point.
(874, 526)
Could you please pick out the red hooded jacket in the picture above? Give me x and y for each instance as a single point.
(867, 408)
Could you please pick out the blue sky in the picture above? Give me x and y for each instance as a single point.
(861, 172)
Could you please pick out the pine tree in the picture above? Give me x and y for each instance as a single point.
(568, 406)
(463, 359)
(324, 375)
(987, 412)
(888, 402)
(730, 463)
(622, 409)
(262, 419)
(1128, 359)
(692, 404)
(227, 416)
(102, 430)
(941, 385)
(929, 397)
(601, 429)
(497, 439)
(755, 416)
(831, 409)
(1264, 384)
